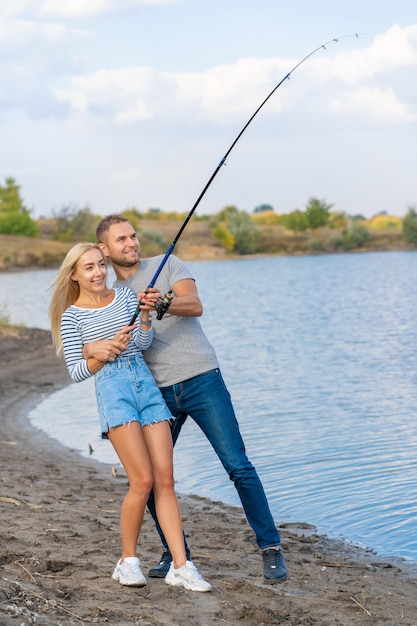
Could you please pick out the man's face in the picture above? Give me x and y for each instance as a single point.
(121, 245)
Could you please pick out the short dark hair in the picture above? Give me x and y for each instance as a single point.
(105, 223)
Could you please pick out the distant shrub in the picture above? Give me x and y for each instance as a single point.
(410, 227)
(382, 222)
(355, 236)
(268, 218)
(154, 236)
(241, 226)
(334, 242)
(18, 224)
(315, 245)
(74, 224)
(4, 315)
(297, 221)
(224, 236)
(337, 220)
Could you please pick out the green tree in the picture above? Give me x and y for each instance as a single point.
(410, 227)
(14, 216)
(225, 215)
(241, 226)
(318, 212)
(74, 224)
(337, 220)
(297, 221)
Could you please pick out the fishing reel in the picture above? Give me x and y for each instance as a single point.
(162, 305)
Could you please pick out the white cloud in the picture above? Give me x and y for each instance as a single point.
(17, 34)
(35, 55)
(374, 104)
(222, 93)
(389, 51)
(13, 8)
(358, 81)
(83, 8)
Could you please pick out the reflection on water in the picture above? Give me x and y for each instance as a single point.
(319, 356)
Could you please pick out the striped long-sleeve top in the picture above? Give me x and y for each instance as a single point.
(80, 326)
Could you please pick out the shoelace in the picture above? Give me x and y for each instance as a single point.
(271, 559)
(135, 567)
(195, 574)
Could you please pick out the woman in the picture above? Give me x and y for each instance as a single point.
(132, 412)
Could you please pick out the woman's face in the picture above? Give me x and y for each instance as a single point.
(91, 271)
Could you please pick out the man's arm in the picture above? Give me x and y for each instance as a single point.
(186, 301)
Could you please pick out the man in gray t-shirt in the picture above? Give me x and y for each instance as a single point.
(186, 370)
(180, 349)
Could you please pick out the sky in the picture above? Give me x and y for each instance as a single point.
(114, 104)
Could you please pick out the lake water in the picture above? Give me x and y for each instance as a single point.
(319, 354)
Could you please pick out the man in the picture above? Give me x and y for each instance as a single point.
(186, 370)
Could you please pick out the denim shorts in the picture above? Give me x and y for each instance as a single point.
(127, 392)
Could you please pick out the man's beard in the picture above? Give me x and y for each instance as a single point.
(122, 262)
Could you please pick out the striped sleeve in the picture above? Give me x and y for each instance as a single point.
(73, 347)
(142, 338)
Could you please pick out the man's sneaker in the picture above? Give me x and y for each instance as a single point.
(188, 577)
(275, 570)
(161, 569)
(129, 572)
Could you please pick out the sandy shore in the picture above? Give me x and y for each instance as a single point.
(59, 539)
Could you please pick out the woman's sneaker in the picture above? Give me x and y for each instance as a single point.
(129, 572)
(188, 577)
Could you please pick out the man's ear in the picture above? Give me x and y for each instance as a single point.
(103, 248)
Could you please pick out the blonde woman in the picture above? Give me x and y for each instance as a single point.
(133, 414)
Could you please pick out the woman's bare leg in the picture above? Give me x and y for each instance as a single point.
(159, 443)
(129, 444)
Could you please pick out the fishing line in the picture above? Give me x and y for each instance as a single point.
(166, 301)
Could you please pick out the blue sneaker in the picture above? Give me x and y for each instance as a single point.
(275, 570)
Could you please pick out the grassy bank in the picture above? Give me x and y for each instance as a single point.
(197, 243)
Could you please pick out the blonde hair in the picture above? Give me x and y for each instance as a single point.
(65, 291)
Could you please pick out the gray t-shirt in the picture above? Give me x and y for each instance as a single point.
(179, 350)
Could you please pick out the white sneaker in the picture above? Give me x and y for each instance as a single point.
(129, 572)
(188, 577)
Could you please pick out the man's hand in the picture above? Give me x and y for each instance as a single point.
(186, 302)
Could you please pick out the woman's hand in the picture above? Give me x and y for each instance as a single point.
(108, 349)
(148, 298)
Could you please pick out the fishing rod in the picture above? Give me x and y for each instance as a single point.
(164, 303)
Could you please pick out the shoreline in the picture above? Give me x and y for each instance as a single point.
(192, 254)
(60, 539)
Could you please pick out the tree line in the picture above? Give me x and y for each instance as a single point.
(234, 229)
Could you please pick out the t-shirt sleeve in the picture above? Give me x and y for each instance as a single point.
(178, 270)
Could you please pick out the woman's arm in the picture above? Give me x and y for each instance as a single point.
(73, 348)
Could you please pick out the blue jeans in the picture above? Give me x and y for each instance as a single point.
(207, 401)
